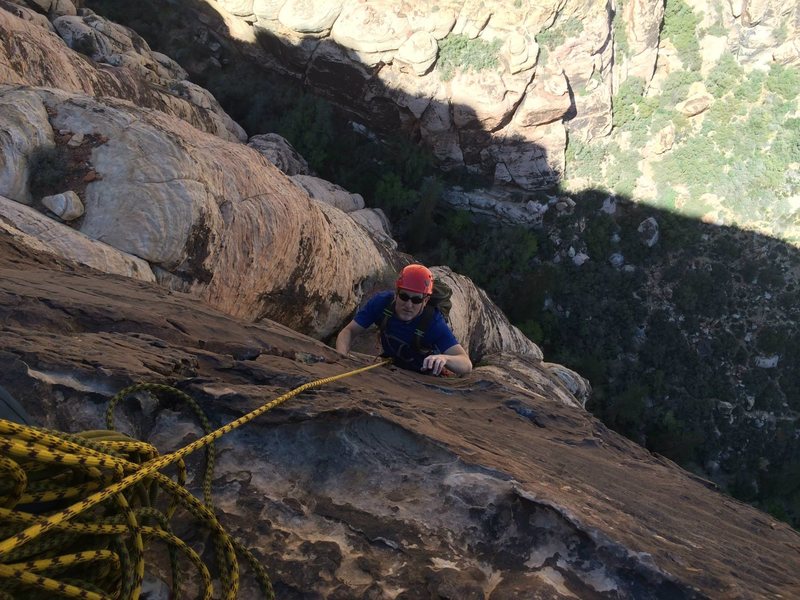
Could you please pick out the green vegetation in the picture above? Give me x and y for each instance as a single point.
(783, 81)
(584, 161)
(742, 152)
(48, 171)
(680, 26)
(461, 52)
(626, 102)
(623, 171)
(622, 46)
(560, 32)
(724, 76)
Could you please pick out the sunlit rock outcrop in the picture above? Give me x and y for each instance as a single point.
(475, 322)
(530, 74)
(211, 216)
(122, 66)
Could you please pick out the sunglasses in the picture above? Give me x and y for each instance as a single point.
(414, 299)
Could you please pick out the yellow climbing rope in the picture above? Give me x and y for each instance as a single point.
(113, 484)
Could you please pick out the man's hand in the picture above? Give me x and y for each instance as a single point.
(454, 358)
(434, 363)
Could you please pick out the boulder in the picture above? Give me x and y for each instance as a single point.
(642, 25)
(547, 99)
(521, 52)
(309, 16)
(67, 206)
(43, 234)
(267, 10)
(694, 105)
(648, 232)
(418, 52)
(25, 129)
(371, 27)
(330, 193)
(52, 8)
(216, 219)
(240, 8)
(214, 216)
(476, 323)
(377, 223)
(277, 150)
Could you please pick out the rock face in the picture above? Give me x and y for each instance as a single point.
(389, 484)
(203, 214)
(280, 153)
(42, 232)
(556, 69)
(122, 66)
(211, 216)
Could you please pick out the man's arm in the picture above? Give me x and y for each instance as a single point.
(344, 341)
(454, 358)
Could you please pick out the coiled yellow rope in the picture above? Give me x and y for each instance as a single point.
(47, 546)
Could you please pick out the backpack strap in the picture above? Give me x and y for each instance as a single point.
(422, 328)
(388, 312)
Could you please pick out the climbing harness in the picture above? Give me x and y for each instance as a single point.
(76, 509)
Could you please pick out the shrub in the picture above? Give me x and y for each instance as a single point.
(309, 128)
(48, 170)
(584, 160)
(623, 172)
(750, 88)
(557, 35)
(620, 35)
(393, 197)
(675, 88)
(460, 52)
(680, 26)
(725, 74)
(784, 81)
(626, 102)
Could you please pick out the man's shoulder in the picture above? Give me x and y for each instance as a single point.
(438, 320)
(440, 333)
(384, 295)
(379, 301)
(371, 311)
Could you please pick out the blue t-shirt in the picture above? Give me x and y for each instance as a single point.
(398, 337)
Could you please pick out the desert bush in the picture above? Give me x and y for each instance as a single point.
(393, 197)
(680, 26)
(559, 32)
(623, 171)
(724, 76)
(626, 101)
(621, 43)
(784, 81)
(584, 160)
(461, 52)
(48, 170)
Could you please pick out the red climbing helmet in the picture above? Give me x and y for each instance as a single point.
(416, 278)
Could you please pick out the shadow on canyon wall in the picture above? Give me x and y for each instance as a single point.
(685, 328)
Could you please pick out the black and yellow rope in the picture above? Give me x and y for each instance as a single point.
(68, 501)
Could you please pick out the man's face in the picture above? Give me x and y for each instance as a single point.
(408, 305)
